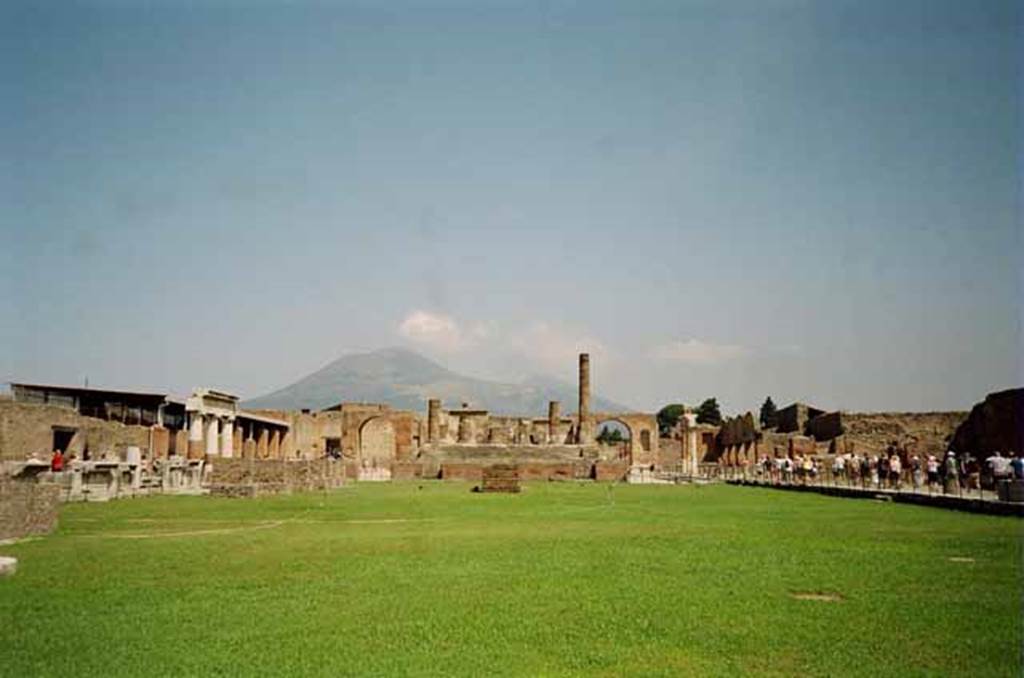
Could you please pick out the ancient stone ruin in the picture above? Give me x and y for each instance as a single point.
(500, 478)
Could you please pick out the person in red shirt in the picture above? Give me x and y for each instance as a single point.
(57, 462)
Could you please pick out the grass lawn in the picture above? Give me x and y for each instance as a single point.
(563, 579)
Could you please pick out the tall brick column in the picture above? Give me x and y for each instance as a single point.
(585, 432)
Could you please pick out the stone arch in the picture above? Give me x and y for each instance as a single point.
(377, 442)
(602, 420)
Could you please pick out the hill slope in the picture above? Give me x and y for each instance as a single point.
(405, 380)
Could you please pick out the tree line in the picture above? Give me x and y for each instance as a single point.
(708, 412)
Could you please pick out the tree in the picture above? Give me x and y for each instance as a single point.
(769, 414)
(668, 417)
(708, 413)
(609, 436)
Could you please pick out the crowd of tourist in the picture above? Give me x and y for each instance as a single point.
(896, 470)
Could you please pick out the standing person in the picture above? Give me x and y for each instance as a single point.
(1017, 466)
(1000, 467)
(895, 471)
(809, 470)
(952, 473)
(839, 467)
(883, 470)
(932, 467)
(972, 474)
(915, 471)
(57, 461)
(865, 470)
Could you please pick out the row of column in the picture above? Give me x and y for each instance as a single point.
(467, 434)
(213, 436)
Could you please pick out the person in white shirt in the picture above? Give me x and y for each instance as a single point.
(895, 471)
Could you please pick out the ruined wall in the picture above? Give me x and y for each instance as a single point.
(609, 472)
(515, 454)
(27, 507)
(995, 424)
(268, 476)
(377, 442)
(27, 429)
(308, 432)
(794, 418)
(311, 432)
(670, 452)
(643, 434)
(580, 470)
(926, 432)
(825, 427)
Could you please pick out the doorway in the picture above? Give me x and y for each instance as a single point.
(62, 437)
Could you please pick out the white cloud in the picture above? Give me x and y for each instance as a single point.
(697, 352)
(436, 331)
(555, 348)
(522, 347)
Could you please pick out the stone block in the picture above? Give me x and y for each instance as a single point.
(8, 566)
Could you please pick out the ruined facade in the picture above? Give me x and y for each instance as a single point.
(805, 430)
(474, 436)
(104, 424)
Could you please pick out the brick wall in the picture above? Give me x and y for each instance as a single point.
(230, 476)
(826, 426)
(472, 472)
(609, 471)
(27, 429)
(577, 470)
(27, 507)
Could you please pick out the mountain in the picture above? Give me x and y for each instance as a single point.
(405, 380)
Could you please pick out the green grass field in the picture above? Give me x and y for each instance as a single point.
(563, 579)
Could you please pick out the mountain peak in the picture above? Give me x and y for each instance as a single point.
(405, 379)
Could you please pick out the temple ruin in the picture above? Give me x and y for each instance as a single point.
(120, 443)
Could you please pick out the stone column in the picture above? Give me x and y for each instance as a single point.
(249, 448)
(690, 438)
(275, 444)
(227, 439)
(160, 442)
(195, 436)
(238, 441)
(585, 434)
(433, 420)
(212, 426)
(262, 443)
(465, 430)
(522, 433)
(554, 418)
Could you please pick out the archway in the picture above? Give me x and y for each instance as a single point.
(377, 443)
(614, 434)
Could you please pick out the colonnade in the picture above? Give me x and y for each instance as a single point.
(213, 435)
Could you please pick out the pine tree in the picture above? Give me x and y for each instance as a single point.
(769, 414)
(668, 416)
(708, 412)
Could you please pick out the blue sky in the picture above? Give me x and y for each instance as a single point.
(813, 200)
